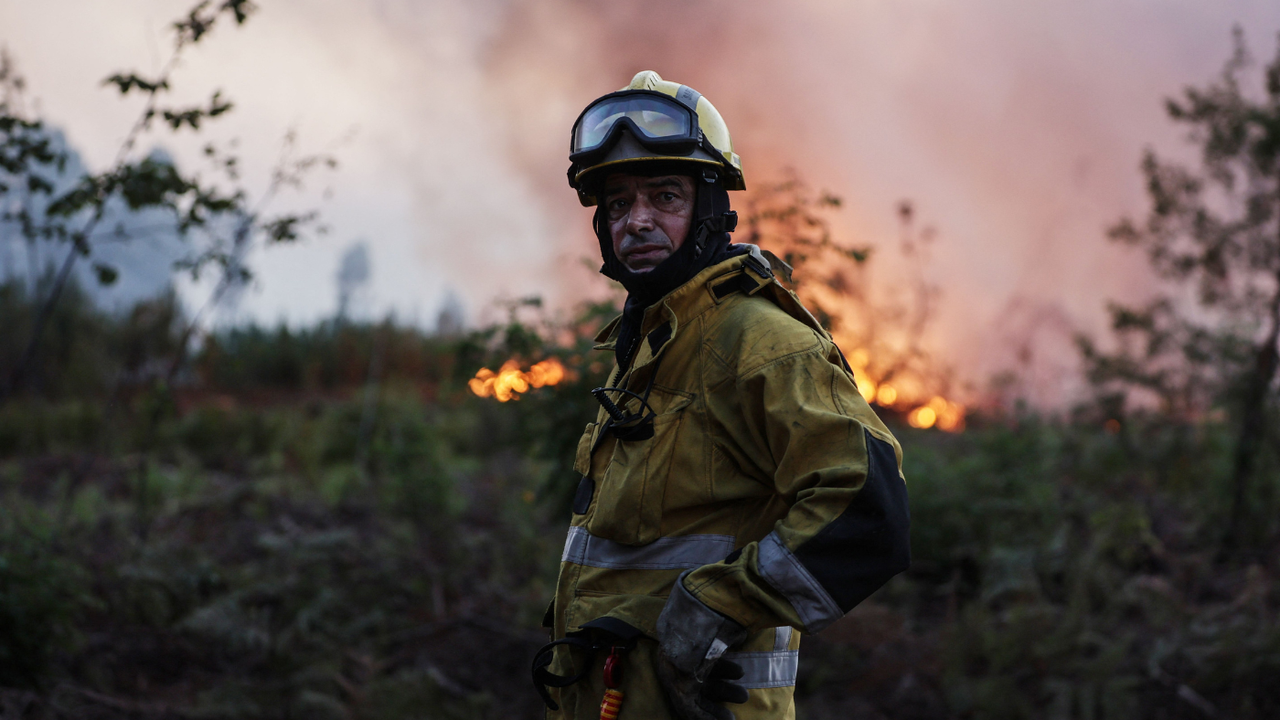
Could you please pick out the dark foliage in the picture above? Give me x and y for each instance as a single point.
(1211, 344)
(326, 523)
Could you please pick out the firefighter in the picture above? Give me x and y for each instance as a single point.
(736, 490)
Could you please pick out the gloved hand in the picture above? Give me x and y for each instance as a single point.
(692, 638)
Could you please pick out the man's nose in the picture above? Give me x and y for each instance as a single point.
(640, 219)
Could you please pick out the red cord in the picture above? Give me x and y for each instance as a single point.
(611, 705)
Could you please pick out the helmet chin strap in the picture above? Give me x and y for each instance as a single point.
(709, 218)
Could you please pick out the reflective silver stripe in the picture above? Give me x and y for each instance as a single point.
(781, 637)
(789, 577)
(668, 553)
(767, 669)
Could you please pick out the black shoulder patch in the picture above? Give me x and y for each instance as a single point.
(870, 542)
(738, 283)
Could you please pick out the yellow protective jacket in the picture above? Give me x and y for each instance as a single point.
(766, 473)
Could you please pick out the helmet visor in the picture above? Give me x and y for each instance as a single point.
(650, 116)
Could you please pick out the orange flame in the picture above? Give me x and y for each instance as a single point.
(939, 412)
(509, 381)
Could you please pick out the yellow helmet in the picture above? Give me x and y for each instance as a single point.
(663, 121)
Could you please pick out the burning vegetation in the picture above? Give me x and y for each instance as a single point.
(891, 365)
(938, 411)
(509, 381)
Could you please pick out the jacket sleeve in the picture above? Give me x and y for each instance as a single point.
(846, 532)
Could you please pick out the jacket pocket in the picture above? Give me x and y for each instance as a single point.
(582, 459)
(630, 493)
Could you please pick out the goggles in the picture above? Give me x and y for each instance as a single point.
(658, 121)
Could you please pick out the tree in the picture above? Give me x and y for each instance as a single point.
(1213, 235)
(352, 278)
(883, 333)
(217, 212)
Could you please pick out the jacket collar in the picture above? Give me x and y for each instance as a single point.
(663, 319)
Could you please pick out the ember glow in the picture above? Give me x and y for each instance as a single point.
(938, 412)
(509, 381)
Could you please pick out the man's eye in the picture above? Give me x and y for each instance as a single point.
(668, 196)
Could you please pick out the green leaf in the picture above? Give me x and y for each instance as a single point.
(857, 254)
(107, 275)
(125, 83)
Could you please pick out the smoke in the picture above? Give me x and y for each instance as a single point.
(1015, 128)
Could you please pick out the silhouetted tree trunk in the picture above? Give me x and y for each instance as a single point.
(1215, 230)
(1253, 422)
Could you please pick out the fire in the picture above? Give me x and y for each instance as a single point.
(939, 412)
(510, 380)
(886, 395)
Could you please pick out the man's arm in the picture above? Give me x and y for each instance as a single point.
(847, 532)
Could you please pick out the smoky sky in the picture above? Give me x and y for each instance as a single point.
(1015, 128)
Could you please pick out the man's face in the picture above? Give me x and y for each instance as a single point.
(648, 217)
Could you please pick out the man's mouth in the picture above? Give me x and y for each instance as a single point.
(646, 254)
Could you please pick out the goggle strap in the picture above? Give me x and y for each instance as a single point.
(689, 98)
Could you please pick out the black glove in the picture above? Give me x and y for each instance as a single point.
(692, 638)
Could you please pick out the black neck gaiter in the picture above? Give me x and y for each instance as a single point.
(646, 288)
